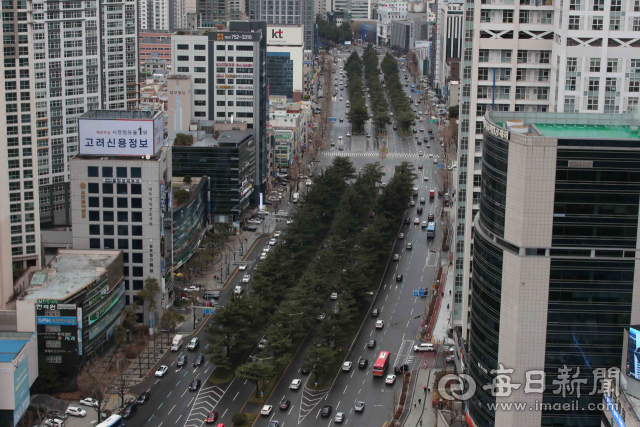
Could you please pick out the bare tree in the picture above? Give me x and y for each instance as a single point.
(96, 385)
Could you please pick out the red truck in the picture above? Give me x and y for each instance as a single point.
(432, 194)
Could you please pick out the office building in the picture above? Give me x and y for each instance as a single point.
(120, 196)
(285, 55)
(228, 161)
(407, 32)
(235, 90)
(215, 12)
(190, 218)
(448, 39)
(278, 12)
(387, 12)
(552, 61)
(154, 45)
(74, 305)
(360, 9)
(557, 225)
(309, 77)
(18, 371)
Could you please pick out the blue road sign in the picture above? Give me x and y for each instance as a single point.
(209, 311)
(419, 91)
(421, 292)
(416, 292)
(332, 119)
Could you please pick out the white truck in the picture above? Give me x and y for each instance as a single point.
(177, 342)
(296, 197)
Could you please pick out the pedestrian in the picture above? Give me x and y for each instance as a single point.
(415, 405)
(419, 401)
(420, 421)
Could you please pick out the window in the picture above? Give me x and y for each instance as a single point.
(597, 23)
(594, 84)
(122, 188)
(636, 24)
(54, 358)
(94, 243)
(138, 271)
(92, 171)
(574, 4)
(107, 188)
(136, 244)
(123, 216)
(107, 202)
(121, 172)
(610, 85)
(107, 230)
(634, 84)
(574, 22)
(136, 188)
(107, 172)
(136, 258)
(93, 188)
(136, 216)
(183, 58)
(123, 244)
(94, 202)
(182, 47)
(612, 66)
(108, 244)
(507, 16)
(136, 230)
(123, 230)
(594, 65)
(598, 5)
(107, 216)
(136, 172)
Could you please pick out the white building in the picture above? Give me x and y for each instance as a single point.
(387, 12)
(449, 38)
(157, 14)
(300, 12)
(285, 55)
(536, 56)
(360, 9)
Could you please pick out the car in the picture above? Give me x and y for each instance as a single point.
(435, 160)
(273, 242)
(400, 236)
(89, 402)
(266, 249)
(346, 366)
(195, 385)
(424, 224)
(182, 360)
(130, 410)
(450, 359)
(409, 246)
(375, 312)
(341, 119)
(371, 343)
(419, 166)
(295, 384)
(162, 370)
(246, 278)
(273, 423)
(363, 363)
(399, 369)
(396, 257)
(430, 155)
(305, 370)
(57, 415)
(277, 233)
(348, 134)
(368, 135)
(242, 267)
(359, 406)
(142, 399)
(425, 178)
(425, 346)
(431, 217)
(199, 360)
(419, 210)
(54, 422)
(339, 417)
(326, 411)
(415, 130)
(195, 343)
(421, 129)
(428, 145)
(289, 221)
(263, 343)
(76, 412)
(399, 278)
(238, 290)
(412, 203)
(380, 324)
(320, 317)
(420, 153)
(249, 228)
(407, 221)
(211, 418)
(334, 296)
(266, 410)
(284, 404)
(391, 379)
(416, 221)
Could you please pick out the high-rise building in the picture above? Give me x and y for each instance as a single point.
(157, 15)
(360, 9)
(213, 12)
(288, 12)
(285, 47)
(228, 72)
(121, 197)
(555, 257)
(535, 56)
(6, 270)
(448, 38)
(387, 12)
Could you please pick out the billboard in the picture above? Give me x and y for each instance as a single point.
(368, 32)
(120, 137)
(633, 353)
(284, 35)
(21, 390)
(347, 43)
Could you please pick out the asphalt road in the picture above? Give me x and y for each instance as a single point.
(171, 402)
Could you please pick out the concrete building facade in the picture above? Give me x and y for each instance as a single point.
(387, 12)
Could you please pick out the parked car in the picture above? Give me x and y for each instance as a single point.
(76, 411)
(89, 402)
(130, 410)
(142, 399)
(162, 370)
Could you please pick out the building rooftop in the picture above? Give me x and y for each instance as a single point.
(119, 114)
(587, 131)
(12, 343)
(69, 272)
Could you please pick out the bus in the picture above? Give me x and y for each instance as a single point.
(382, 362)
(431, 229)
(112, 421)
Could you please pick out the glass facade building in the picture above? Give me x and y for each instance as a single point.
(554, 261)
(189, 223)
(280, 74)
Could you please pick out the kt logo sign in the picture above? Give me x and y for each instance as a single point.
(276, 34)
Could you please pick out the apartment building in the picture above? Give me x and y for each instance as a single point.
(228, 81)
(387, 12)
(536, 56)
(219, 11)
(157, 15)
(288, 12)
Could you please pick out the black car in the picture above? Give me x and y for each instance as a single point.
(407, 221)
(375, 312)
(419, 166)
(195, 384)
(395, 127)
(326, 411)
(431, 216)
(419, 143)
(399, 278)
(142, 399)
(130, 410)
(182, 360)
(400, 369)
(249, 228)
(56, 414)
(363, 363)
(419, 210)
(371, 343)
(285, 404)
(199, 360)
(304, 370)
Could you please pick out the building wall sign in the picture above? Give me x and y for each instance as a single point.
(237, 36)
(50, 320)
(93, 317)
(119, 137)
(495, 130)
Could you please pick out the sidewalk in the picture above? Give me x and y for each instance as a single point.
(446, 308)
(422, 410)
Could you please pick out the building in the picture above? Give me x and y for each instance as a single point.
(360, 9)
(179, 102)
(189, 219)
(400, 38)
(290, 129)
(7, 217)
(157, 15)
(74, 306)
(279, 12)
(228, 161)
(154, 46)
(448, 39)
(18, 371)
(285, 51)
(120, 192)
(155, 66)
(235, 90)
(542, 65)
(310, 79)
(557, 224)
(387, 12)
(215, 12)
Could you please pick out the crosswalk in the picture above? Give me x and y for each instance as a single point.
(338, 153)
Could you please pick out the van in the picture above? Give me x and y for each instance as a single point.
(177, 342)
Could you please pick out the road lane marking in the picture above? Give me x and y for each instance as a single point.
(234, 398)
(169, 393)
(345, 389)
(184, 393)
(171, 408)
(150, 418)
(178, 419)
(225, 411)
(160, 405)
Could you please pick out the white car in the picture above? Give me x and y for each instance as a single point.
(425, 346)
(277, 233)
(334, 296)
(263, 256)
(162, 370)
(435, 160)
(76, 412)
(263, 343)
(320, 317)
(348, 134)
(54, 422)
(380, 324)
(273, 242)
(289, 221)
(295, 384)
(238, 290)
(89, 402)
(426, 178)
(416, 221)
(346, 366)
(430, 154)
(391, 379)
(193, 344)
(339, 417)
(420, 153)
(246, 278)
(266, 410)
(266, 249)
(242, 267)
